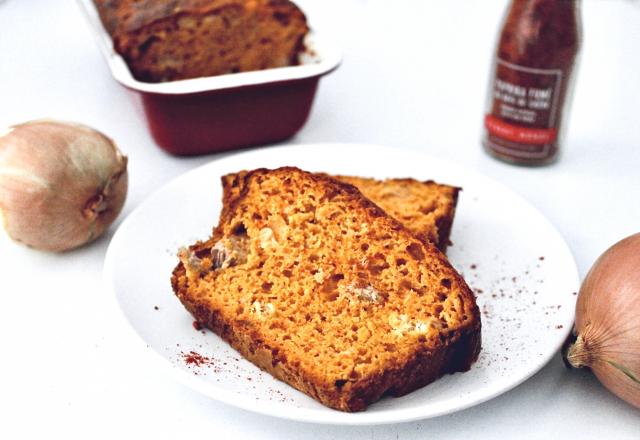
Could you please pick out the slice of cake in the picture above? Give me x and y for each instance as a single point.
(426, 208)
(315, 284)
(179, 39)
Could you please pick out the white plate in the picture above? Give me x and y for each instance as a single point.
(523, 274)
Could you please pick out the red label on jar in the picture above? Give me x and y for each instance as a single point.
(517, 133)
(523, 118)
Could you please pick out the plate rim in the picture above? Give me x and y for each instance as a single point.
(311, 415)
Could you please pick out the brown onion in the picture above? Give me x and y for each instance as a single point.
(61, 184)
(607, 328)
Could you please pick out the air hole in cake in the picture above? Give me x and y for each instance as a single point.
(330, 295)
(405, 285)
(401, 262)
(377, 264)
(329, 288)
(267, 286)
(364, 246)
(446, 282)
(340, 383)
(415, 250)
(442, 297)
(239, 229)
(282, 18)
(439, 309)
(428, 209)
(146, 45)
(274, 356)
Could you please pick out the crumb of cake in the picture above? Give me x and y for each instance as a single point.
(366, 293)
(230, 251)
(267, 238)
(262, 310)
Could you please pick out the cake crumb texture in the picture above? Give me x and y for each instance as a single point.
(314, 283)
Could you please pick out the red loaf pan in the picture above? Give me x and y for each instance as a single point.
(207, 115)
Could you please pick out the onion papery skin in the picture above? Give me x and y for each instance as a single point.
(61, 184)
(607, 326)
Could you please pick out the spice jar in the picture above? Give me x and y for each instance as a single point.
(531, 82)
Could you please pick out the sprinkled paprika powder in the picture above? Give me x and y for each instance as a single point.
(531, 81)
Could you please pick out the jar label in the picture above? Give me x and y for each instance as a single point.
(523, 119)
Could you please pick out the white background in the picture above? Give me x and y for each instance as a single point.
(414, 76)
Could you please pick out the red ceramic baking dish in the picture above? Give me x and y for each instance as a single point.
(207, 115)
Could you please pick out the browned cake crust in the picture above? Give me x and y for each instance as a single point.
(315, 284)
(426, 208)
(180, 39)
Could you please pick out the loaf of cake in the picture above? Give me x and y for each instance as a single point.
(180, 39)
(314, 283)
(426, 208)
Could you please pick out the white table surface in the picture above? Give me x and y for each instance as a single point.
(414, 76)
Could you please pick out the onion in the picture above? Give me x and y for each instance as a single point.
(61, 184)
(607, 328)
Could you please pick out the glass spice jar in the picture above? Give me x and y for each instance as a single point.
(531, 81)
